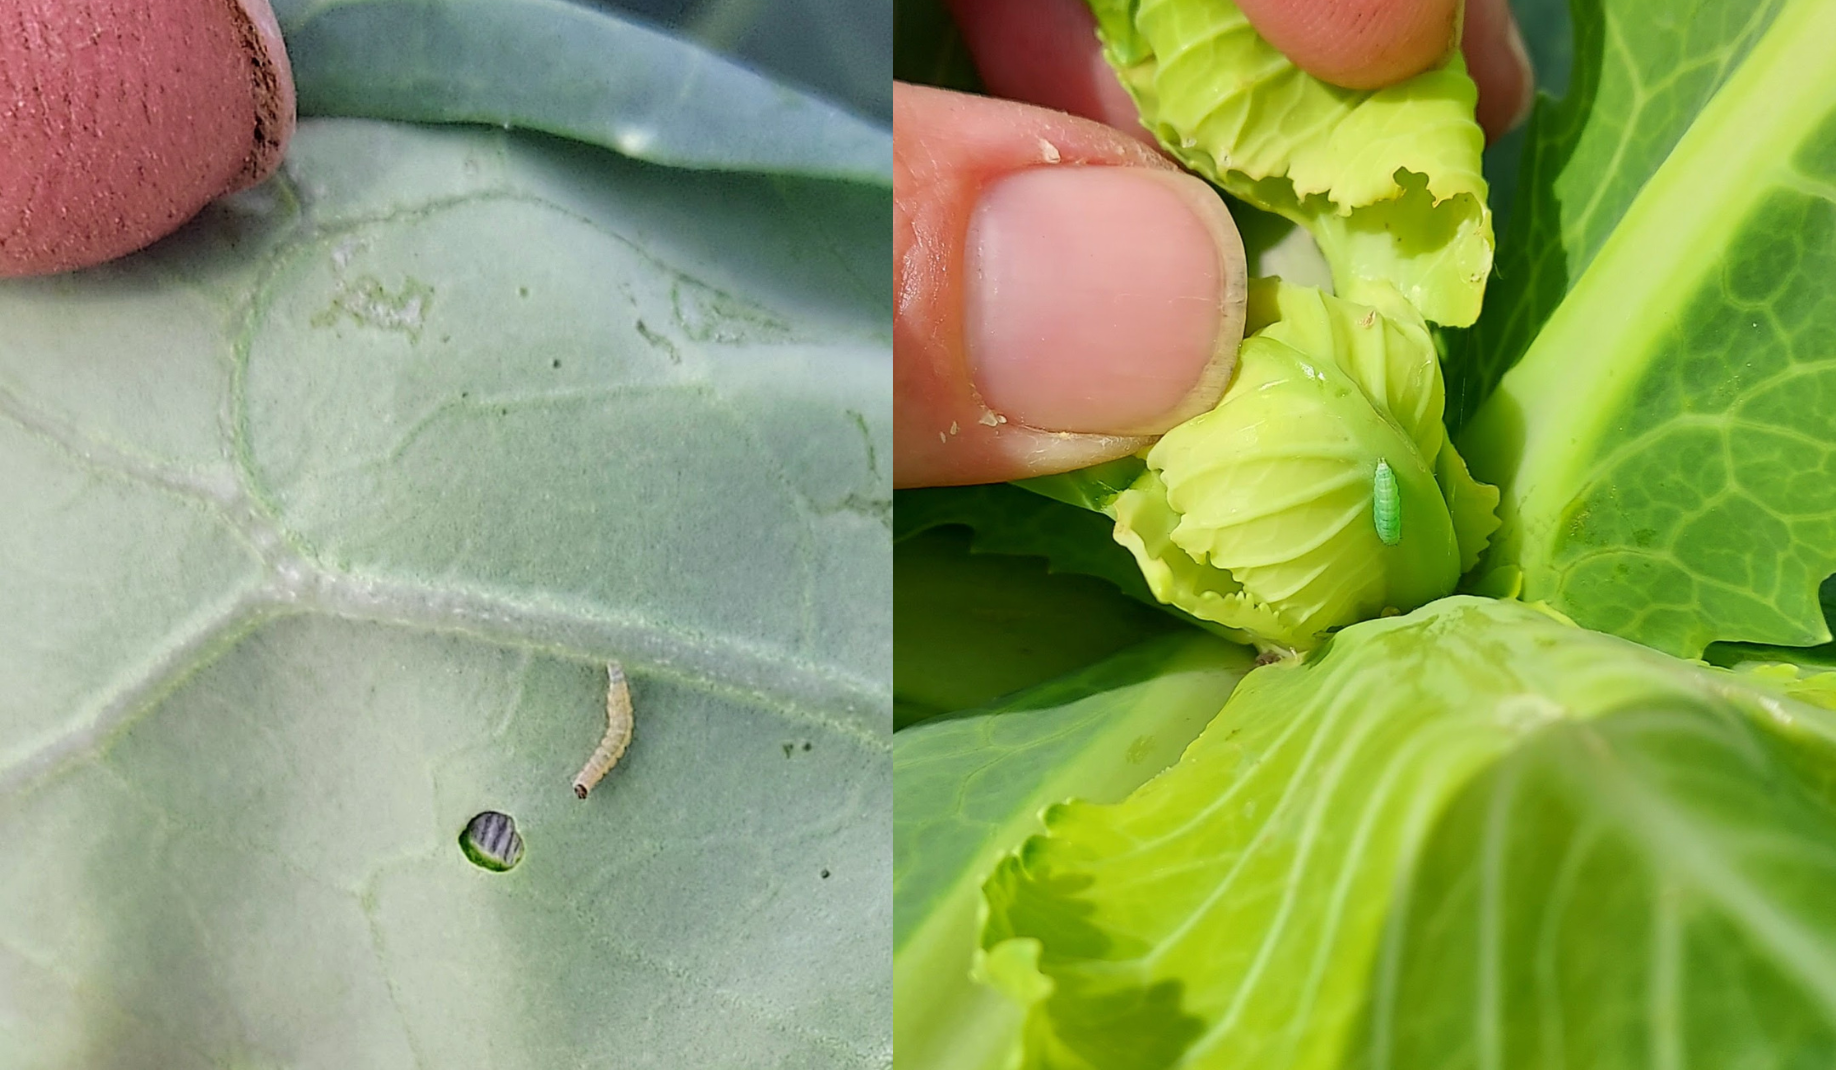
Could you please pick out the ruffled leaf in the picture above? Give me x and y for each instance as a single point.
(1388, 181)
(1452, 830)
(1472, 504)
(1259, 515)
(1144, 524)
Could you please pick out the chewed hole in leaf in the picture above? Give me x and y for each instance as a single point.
(490, 841)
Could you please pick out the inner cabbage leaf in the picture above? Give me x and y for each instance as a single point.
(1262, 514)
(1322, 489)
(1387, 181)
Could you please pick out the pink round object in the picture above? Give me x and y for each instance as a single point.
(120, 119)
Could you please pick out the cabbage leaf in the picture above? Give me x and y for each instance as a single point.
(970, 787)
(974, 626)
(1260, 514)
(323, 519)
(563, 68)
(1664, 444)
(1388, 181)
(1476, 832)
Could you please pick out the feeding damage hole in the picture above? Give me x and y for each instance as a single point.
(792, 748)
(618, 732)
(490, 841)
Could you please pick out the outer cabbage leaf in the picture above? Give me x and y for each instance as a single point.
(1008, 520)
(1632, 75)
(1474, 834)
(565, 68)
(1665, 445)
(1388, 181)
(323, 518)
(971, 786)
(975, 626)
(1258, 515)
(929, 49)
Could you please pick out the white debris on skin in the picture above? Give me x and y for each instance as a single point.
(1048, 151)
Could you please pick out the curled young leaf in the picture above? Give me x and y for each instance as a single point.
(1269, 514)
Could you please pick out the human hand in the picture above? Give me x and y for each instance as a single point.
(1050, 318)
(119, 119)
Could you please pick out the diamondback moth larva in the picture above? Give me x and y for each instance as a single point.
(618, 732)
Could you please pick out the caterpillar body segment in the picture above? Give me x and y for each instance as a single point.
(618, 732)
(1386, 505)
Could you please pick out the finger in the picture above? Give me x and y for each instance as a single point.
(176, 102)
(1062, 291)
(1046, 52)
(1496, 59)
(1359, 44)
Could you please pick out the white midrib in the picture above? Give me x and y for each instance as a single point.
(1694, 204)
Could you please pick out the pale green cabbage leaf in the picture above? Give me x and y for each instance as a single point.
(1476, 832)
(1259, 515)
(323, 518)
(971, 786)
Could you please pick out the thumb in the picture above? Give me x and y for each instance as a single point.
(1063, 293)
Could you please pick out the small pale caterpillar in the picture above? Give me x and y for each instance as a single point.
(1386, 505)
(618, 732)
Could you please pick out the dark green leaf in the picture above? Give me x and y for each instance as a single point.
(975, 626)
(1663, 446)
(563, 69)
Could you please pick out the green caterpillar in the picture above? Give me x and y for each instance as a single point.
(1386, 505)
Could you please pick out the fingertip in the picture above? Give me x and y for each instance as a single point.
(1499, 65)
(178, 103)
(271, 84)
(1046, 52)
(1062, 292)
(1358, 44)
(1102, 300)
